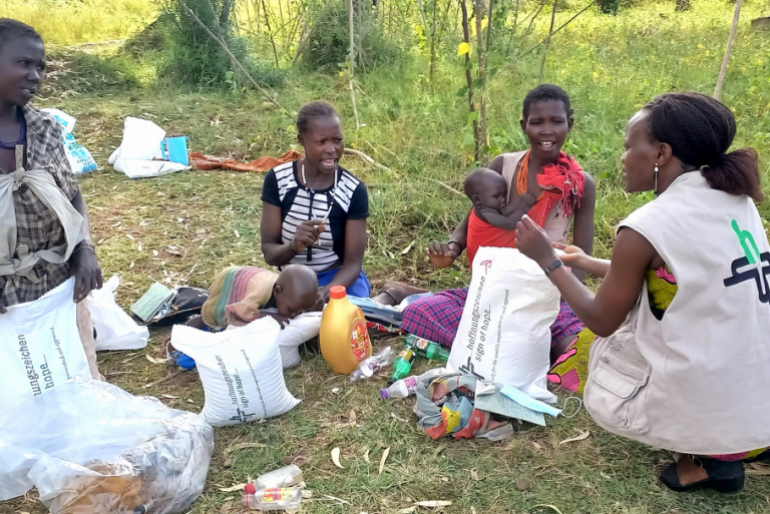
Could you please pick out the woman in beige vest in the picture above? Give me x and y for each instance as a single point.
(680, 366)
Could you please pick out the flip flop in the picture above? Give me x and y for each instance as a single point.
(726, 477)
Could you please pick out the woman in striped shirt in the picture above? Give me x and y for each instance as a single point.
(314, 211)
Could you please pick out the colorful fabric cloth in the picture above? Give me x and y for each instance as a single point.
(481, 233)
(437, 317)
(211, 162)
(562, 182)
(361, 287)
(38, 227)
(236, 296)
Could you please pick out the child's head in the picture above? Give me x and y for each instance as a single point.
(546, 120)
(319, 131)
(296, 290)
(486, 188)
(22, 62)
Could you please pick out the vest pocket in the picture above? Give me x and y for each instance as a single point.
(615, 394)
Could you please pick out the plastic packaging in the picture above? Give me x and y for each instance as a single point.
(115, 329)
(275, 498)
(285, 477)
(427, 349)
(373, 364)
(408, 386)
(403, 365)
(344, 337)
(90, 447)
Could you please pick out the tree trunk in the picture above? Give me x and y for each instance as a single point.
(729, 50)
(352, 58)
(469, 79)
(548, 42)
(682, 5)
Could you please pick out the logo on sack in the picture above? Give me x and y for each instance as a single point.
(487, 264)
(752, 266)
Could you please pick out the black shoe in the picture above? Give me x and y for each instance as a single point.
(727, 477)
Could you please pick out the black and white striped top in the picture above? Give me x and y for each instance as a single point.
(282, 188)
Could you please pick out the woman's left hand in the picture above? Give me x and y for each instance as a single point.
(532, 241)
(85, 269)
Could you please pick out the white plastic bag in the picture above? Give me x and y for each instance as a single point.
(240, 369)
(301, 329)
(115, 330)
(40, 346)
(79, 157)
(90, 447)
(504, 334)
(140, 146)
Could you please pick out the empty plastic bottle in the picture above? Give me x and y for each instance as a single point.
(373, 364)
(427, 349)
(403, 365)
(407, 386)
(276, 498)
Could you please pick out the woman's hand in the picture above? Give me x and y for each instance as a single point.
(85, 269)
(532, 241)
(573, 255)
(308, 233)
(442, 255)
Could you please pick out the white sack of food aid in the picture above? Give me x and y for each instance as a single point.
(115, 329)
(79, 157)
(505, 331)
(40, 346)
(241, 371)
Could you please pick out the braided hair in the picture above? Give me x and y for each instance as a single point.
(10, 29)
(317, 109)
(700, 130)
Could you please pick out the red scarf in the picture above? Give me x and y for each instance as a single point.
(561, 182)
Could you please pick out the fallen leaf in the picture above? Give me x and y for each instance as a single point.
(306, 495)
(554, 507)
(154, 360)
(383, 459)
(406, 250)
(335, 390)
(445, 479)
(172, 250)
(581, 437)
(473, 510)
(537, 446)
(440, 449)
(170, 397)
(352, 417)
(434, 504)
(226, 507)
(238, 487)
(523, 483)
(190, 400)
(366, 455)
(474, 475)
(408, 511)
(393, 414)
(336, 458)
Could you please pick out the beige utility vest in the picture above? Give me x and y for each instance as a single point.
(697, 381)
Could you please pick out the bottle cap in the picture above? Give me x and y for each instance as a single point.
(250, 489)
(384, 394)
(337, 292)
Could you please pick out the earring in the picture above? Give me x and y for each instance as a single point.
(656, 179)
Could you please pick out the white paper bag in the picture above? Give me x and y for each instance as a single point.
(240, 369)
(40, 346)
(115, 330)
(504, 334)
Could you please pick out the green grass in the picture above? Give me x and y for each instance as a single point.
(610, 66)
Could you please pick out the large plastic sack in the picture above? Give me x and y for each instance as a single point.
(504, 334)
(138, 153)
(40, 346)
(241, 371)
(300, 330)
(89, 447)
(115, 330)
(79, 157)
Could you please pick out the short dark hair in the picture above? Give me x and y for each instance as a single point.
(546, 92)
(317, 109)
(10, 29)
(700, 129)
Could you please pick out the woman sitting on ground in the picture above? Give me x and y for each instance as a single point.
(684, 357)
(542, 181)
(46, 238)
(314, 211)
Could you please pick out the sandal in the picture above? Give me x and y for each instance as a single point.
(727, 477)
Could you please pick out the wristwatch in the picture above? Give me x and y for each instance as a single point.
(553, 267)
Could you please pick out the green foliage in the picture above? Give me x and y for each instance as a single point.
(72, 72)
(328, 41)
(195, 58)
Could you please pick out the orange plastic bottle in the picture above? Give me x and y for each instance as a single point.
(344, 338)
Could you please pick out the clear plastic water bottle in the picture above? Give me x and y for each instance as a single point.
(275, 498)
(373, 364)
(287, 476)
(407, 386)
